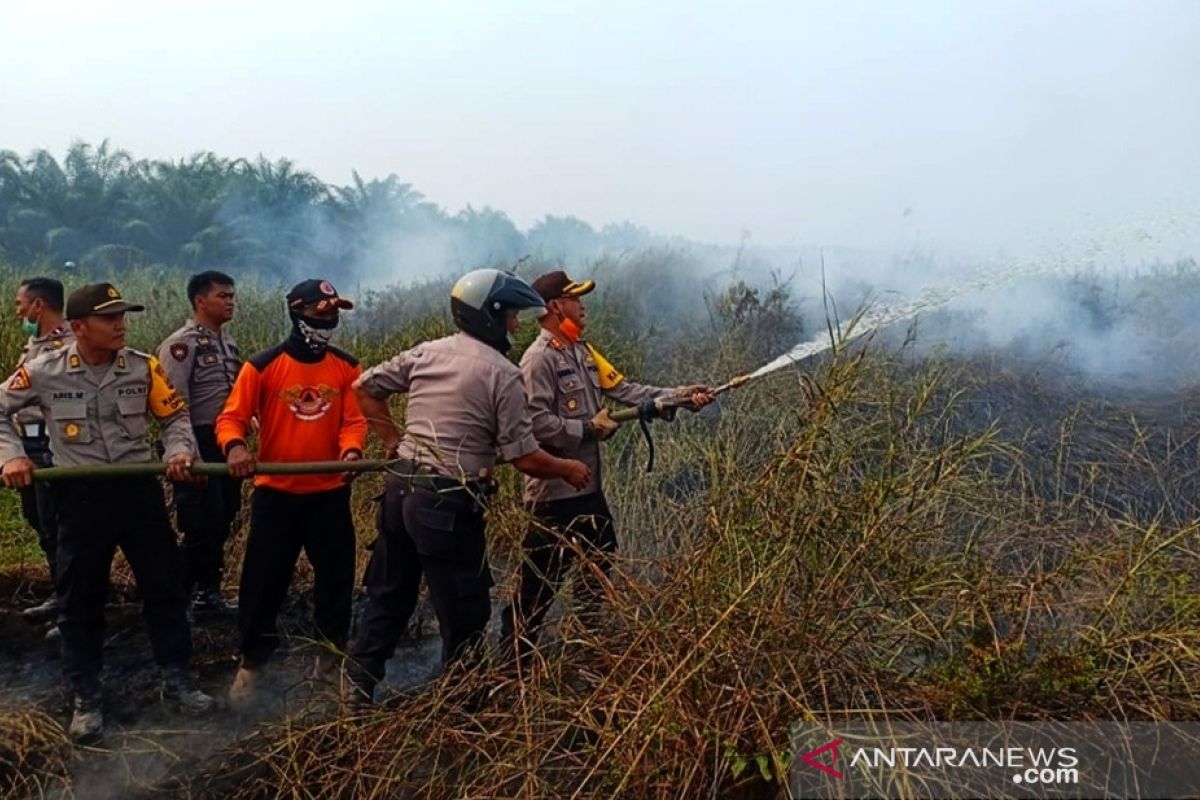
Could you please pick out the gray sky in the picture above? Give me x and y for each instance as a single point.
(803, 123)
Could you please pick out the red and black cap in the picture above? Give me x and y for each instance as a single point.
(316, 291)
(554, 285)
(98, 299)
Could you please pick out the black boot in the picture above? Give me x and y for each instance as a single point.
(210, 601)
(47, 609)
(179, 687)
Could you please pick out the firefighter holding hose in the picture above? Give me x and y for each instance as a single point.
(566, 378)
(466, 411)
(95, 395)
(302, 393)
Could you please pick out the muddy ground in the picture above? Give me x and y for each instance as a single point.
(147, 745)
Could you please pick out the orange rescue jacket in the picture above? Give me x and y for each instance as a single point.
(306, 412)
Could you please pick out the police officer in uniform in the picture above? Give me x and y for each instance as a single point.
(95, 394)
(566, 379)
(40, 309)
(202, 362)
(466, 410)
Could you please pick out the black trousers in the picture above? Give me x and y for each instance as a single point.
(443, 536)
(559, 527)
(37, 503)
(281, 524)
(205, 515)
(95, 517)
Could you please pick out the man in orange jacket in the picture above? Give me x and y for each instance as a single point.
(302, 393)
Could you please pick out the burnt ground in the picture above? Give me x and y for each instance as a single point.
(147, 744)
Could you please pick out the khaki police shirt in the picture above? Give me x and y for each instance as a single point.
(202, 365)
(563, 384)
(96, 417)
(466, 405)
(34, 347)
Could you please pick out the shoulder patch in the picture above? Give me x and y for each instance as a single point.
(609, 375)
(56, 343)
(20, 380)
(179, 351)
(164, 400)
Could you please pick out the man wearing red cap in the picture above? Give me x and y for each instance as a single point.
(566, 380)
(302, 393)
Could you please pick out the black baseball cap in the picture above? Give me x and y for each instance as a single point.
(98, 299)
(554, 285)
(316, 291)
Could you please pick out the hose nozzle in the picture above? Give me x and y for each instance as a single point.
(740, 380)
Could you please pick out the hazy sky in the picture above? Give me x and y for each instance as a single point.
(803, 123)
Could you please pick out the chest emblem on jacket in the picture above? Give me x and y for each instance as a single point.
(309, 402)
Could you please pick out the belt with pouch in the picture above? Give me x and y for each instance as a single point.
(423, 476)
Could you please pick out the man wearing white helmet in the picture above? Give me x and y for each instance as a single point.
(466, 410)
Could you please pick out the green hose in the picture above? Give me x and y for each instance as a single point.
(202, 468)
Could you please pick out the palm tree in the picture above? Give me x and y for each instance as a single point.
(274, 211)
(487, 237)
(180, 209)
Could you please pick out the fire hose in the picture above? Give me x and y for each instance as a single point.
(664, 409)
(207, 469)
(644, 413)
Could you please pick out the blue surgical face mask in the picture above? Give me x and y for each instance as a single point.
(29, 327)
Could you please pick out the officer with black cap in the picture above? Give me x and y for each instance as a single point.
(566, 380)
(466, 410)
(95, 395)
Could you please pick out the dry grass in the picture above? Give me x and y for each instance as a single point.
(35, 754)
(872, 552)
(915, 538)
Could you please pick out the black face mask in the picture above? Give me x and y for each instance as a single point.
(311, 333)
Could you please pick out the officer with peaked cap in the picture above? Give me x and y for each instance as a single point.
(95, 395)
(566, 379)
(466, 410)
